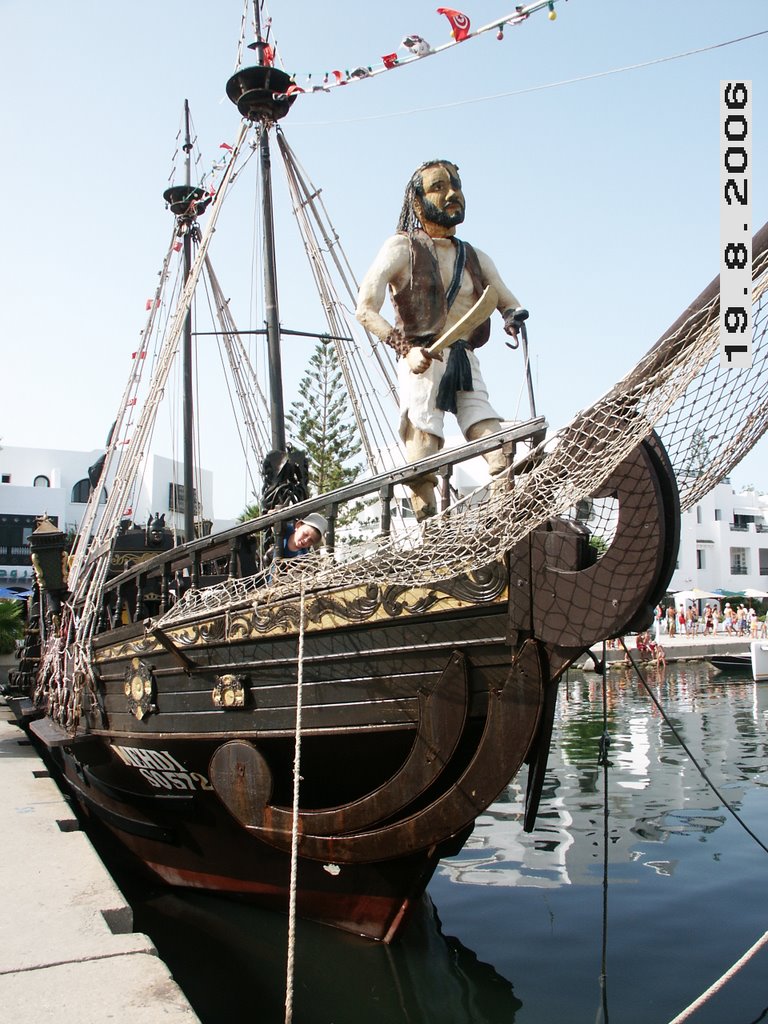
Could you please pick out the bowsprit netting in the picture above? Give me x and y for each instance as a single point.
(707, 417)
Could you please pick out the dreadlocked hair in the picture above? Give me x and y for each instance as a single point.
(409, 220)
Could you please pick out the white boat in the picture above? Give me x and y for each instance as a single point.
(759, 657)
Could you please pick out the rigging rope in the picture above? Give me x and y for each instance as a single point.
(532, 88)
(295, 820)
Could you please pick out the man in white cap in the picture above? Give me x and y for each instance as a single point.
(304, 535)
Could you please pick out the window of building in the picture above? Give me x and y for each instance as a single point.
(176, 499)
(698, 514)
(738, 561)
(14, 537)
(41, 481)
(701, 558)
(718, 515)
(6, 478)
(82, 491)
(741, 521)
(762, 555)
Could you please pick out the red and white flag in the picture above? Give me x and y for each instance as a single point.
(459, 22)
(389, 60)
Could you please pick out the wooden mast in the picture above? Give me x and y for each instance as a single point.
(263, 94)
(189, 454)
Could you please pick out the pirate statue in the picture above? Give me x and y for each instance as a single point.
(434, 279)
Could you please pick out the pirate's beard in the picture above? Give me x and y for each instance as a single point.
(446, 219)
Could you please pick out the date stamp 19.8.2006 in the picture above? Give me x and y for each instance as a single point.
(735, 224)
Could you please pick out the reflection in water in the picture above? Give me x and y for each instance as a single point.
(228, 957)
(652, 780)
(686, 897)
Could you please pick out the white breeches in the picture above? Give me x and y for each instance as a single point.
(418, 395)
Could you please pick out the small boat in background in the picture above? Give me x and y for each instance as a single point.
(732, 662)
(759, 660)
(754, 661)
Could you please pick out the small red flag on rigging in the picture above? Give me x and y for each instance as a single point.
(459, 22)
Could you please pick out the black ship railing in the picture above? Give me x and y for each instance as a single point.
(149, 587)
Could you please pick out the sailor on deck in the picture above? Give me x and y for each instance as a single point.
(434, 279)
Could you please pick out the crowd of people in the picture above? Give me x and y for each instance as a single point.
(739, 621)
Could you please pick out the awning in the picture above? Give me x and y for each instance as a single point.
(695, 595)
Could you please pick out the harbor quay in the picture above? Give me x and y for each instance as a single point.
(68, 952)
(680, 647)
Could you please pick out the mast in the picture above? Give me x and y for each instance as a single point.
(187, 202)
(189, 455)
(263, 94)
(277, 412)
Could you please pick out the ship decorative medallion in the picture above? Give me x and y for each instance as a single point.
(229, 692)
(139, 688)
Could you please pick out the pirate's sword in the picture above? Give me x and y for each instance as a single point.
(481, 310)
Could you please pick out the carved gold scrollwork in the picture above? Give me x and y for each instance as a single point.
(229, 692)
(139, 688)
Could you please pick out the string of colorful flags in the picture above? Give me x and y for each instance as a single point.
(415, 47)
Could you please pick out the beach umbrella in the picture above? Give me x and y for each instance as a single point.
(757, 595)
(9, 595)
(695, 595)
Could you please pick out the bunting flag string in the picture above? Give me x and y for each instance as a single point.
(416, 47)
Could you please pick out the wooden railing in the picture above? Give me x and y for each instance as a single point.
(231, 551)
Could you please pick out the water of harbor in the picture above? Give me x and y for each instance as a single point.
(624, 917)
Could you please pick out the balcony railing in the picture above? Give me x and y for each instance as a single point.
(15, 554)
(739, 527)
(738, 570)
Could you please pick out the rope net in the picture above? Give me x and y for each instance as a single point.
(707, 417)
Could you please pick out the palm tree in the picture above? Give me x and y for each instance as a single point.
(11, 625)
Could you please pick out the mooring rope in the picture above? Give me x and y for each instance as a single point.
(742, 961)
(722, 980)
(689, 752)
(605, 764)
(295, 820)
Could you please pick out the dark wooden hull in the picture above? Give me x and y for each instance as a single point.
(411, 725)
(418, 704)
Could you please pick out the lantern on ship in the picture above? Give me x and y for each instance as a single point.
(50, 561)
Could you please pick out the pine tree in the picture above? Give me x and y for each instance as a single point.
(699, 456)
(321, 423)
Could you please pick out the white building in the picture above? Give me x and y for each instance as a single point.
(724, 542)
(47, 481)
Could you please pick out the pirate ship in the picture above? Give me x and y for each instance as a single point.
(325, 729)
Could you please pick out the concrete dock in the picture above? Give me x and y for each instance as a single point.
(676, 648)
(68, 952)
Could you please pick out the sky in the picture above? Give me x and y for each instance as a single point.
(590, 165)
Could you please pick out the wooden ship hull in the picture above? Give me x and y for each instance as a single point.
(409, 730)
(417, 706)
